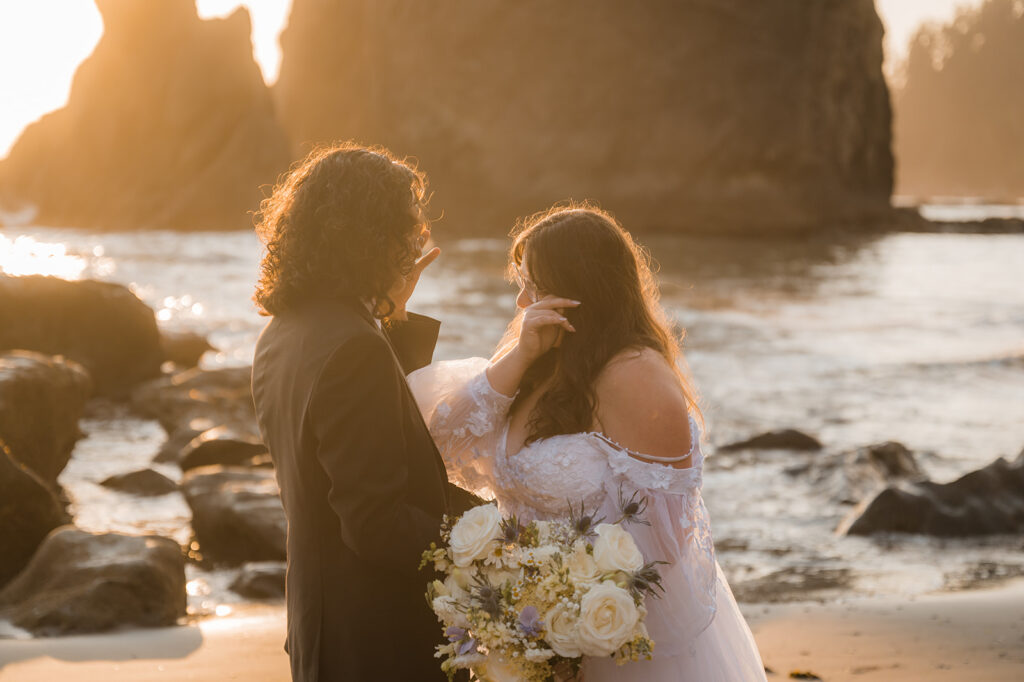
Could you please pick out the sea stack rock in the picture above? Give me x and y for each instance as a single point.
(168, 125)
(768, 117)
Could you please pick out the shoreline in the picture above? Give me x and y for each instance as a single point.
(975, 635)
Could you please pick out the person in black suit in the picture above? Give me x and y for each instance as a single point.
(362, 483)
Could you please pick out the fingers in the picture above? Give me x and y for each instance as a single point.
(425, 260)
(544, 318)
(551, 302)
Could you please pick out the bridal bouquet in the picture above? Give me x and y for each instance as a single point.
(520, 602)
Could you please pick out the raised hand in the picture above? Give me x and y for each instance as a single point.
(402, 291)
(543, 325)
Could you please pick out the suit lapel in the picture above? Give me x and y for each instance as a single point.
(438, 460)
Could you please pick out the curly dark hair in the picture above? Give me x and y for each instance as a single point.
(339, 225)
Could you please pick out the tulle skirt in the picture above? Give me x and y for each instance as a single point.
(724, 652)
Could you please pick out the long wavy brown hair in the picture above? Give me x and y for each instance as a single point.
(581, 252)
(338, 225)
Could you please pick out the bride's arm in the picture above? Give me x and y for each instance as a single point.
(463, 413)
(541, 328)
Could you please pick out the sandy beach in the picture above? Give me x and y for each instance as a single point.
(975, 636)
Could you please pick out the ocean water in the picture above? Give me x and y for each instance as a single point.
(917, 338)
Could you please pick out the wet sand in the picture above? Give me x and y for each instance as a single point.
(247, 645)
(975, 636)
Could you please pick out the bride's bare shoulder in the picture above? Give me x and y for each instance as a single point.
(641, 404)
(632, 367)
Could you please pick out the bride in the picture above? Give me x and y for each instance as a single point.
(584, 400)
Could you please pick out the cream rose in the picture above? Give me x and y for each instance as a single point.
(560, 627)
(472, 535)
(582, 567)
(615, 549)
(608, 617)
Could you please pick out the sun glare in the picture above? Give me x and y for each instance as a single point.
(25, 256)
(42, 42)
(268, 18)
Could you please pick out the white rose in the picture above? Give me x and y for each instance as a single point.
(560, 627)
(608, 617)
(472, 535)
(582, 567)
(615, 549)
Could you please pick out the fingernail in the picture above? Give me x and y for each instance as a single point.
(576, 302)
(572, 328)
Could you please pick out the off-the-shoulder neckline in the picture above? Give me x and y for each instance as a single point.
(640, 458)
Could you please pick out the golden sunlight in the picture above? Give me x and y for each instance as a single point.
(25, 256)
(902, 18)
(42, 42)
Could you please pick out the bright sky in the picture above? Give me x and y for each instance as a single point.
(42, 41)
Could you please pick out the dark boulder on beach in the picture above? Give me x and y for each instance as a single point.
(261, 580)
(144, 483)
(101, 325)
(220, 397)
(81, 582)
(41, 400)
(989, 501)
(184, 349)
(732, 116)
(181, 436)
(223, 446)
(851, 477)
(29, 510)
(785, 439)
(794, 584)
(168, 124)
(236, 514)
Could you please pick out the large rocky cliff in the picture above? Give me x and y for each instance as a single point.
(168, 124)
(684, 115)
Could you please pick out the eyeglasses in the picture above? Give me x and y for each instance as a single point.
(421, 236)
(524, 283)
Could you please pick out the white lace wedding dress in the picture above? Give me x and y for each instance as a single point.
(699, 633)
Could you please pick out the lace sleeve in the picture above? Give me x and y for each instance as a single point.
(465, 416)
(679, 534)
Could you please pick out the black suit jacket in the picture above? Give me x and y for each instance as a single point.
(363, 486)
